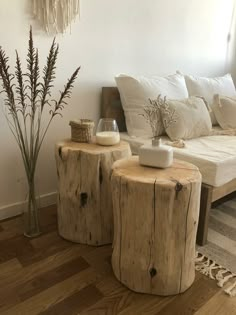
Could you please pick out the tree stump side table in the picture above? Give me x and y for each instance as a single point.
(84, 190)
(155, 225)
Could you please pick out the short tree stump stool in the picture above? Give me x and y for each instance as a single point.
(155, 225)
(84, 190)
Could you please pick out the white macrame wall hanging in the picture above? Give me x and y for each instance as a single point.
(56, 15)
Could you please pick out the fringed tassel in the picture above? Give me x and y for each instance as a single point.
(208, 268)
(221, 282)
(232, 289)
(56, 15)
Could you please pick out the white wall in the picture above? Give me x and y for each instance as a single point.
(232, 44)
(142, 37)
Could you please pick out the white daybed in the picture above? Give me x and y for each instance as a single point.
(215, 156)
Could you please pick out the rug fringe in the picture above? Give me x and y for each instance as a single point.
(232, 289)
(223, 276)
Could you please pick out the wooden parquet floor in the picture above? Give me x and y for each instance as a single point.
(50, 276)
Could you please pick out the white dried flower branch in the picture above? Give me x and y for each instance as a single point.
(152, 115)
(159, 112)
(169, 115)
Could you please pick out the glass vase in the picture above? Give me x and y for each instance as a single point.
(107, 132)
(31, 213)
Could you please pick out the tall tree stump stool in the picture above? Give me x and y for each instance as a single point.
(84, 190)
(155, 225)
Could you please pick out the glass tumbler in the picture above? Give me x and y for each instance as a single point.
(107, 132)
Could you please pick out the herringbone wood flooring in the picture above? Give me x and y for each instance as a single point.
(48, 275)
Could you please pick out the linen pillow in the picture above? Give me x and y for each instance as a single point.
(186, 119)
(135, 93)
(225, 111)
(207, 87)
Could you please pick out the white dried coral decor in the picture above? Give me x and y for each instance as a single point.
(56, 15)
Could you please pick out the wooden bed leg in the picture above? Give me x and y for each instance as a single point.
(205, 206)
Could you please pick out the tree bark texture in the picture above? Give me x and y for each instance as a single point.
(84, 190)
(155, 223)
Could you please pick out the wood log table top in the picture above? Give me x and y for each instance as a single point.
(92, 147)
(179, 171)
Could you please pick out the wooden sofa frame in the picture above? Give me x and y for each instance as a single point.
(111, 107)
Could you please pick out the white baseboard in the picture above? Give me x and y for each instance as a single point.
(17, 208)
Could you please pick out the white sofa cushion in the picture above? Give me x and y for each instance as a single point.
(224, 109)
(135, 92)
(186, 119)
(208, 87)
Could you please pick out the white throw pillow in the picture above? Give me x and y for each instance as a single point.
(208, 87)
(186, 119)
(135, 93)
(224, 109)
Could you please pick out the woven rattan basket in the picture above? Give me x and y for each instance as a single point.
(81, 130)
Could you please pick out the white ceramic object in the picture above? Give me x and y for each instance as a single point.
(107, 137)
(156, 154)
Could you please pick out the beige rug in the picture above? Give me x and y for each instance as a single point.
(217, 259)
